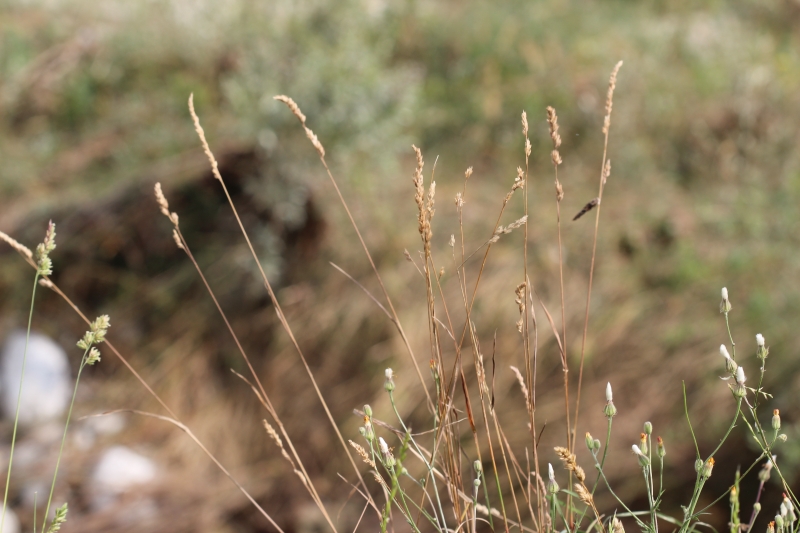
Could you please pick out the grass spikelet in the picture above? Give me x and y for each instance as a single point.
(163, 205)
(612, 84)
(362, 452)
(295, 109)
(200, 133)
(277, 439)
(584, 495)
(520, 379)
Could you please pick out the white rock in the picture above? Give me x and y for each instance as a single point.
(48, 385)
(11, 522)
(119, 470)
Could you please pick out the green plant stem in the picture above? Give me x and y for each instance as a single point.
(597, 479)
(19, 400)
(701, 479)
(427, 464)
(64, 438)
(733, 344)
(614, 494)
(486, 496)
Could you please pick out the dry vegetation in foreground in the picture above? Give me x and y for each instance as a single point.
(464, 473)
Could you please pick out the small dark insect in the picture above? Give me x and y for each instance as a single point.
(588, 207)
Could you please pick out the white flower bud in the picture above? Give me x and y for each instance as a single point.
(389, 373)
(724, 293)
(550, 473)
(384, 446)
(723, 351)
(740, 375)
(760, 339)
(636, 449)
(609, 396)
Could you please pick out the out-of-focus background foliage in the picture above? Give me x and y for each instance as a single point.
(703, 193)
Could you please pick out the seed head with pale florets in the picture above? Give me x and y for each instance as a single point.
(44, 266)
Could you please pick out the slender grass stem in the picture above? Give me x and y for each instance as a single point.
(19, 402)
(64, 438)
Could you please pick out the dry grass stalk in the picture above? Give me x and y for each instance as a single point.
(277, 439)
(163, 205)
(295, 109)
(612, 84)
(520, 300)
(520, 379)
(584, 495)
(200, 133)
(19, 247)
(570, 463)
(507, 229)
(605, 170)
(362, 453)
(419, 197)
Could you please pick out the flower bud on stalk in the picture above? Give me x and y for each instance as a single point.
(387, 453)
(766, 468)
(761, 350)
(725, 305)
(643, 460)
(589, 441)
(643, 443)
(648, 428)
(776, 419)
(730, 364)
(708, 466)
(739, 389)
(388, 385)
(609, 410)
(552, 486)
(660, 450)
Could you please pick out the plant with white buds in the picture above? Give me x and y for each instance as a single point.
(761, 350)
(610, 410)
(387, 453)
(388, 385)
(643, 460)
(707, 468)
(725, 305)
(730, 364)
(552, 486)
(739, 390)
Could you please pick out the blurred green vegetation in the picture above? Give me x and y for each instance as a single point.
(703, 193)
